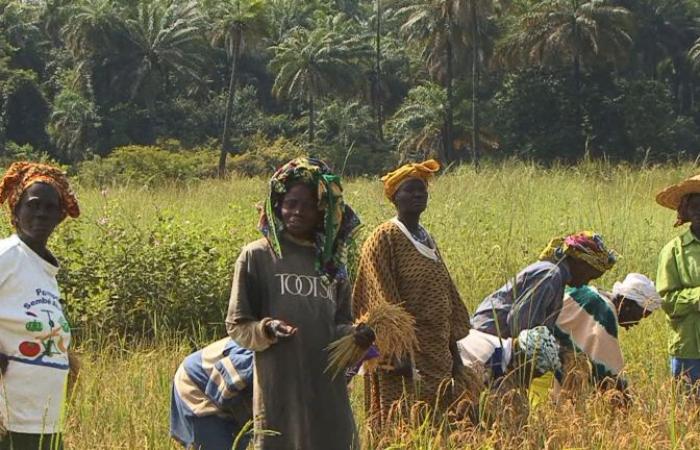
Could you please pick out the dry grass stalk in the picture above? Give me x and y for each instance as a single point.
(395, 334)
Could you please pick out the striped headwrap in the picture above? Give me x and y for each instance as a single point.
(339, 220)
(21, 175)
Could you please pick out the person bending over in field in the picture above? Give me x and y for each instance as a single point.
(678, 279)
(534, 297)
(212, 397)
(34, 332)
(290, 299)
(589, 323)
(400, 264)
(495, 358)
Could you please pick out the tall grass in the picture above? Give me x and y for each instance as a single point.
(488, 226)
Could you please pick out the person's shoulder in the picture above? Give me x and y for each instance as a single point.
(543, 268)
(677, 243)
(9, 247)
(388, 228)
(256, 247)
(382, 234)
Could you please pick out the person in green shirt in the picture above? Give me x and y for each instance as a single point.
(678, 279)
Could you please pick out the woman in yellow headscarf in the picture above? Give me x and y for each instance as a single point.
(400, 263)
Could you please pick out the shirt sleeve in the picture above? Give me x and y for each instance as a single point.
(678, 301)
(375, 275)
(8, 265)
(540, 306)
(243, 322)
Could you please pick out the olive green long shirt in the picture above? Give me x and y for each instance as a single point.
(678, 282)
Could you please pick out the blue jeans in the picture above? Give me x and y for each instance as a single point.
(202, 433)
(688, 369)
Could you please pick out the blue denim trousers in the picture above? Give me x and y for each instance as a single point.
(688, 369)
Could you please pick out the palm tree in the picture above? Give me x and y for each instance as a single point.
(312, 63)
(91, 25)
(377, 86)
(419, 122)
(436, 24)
(165, 39)
(72, 121)
(234, 23)
(576, 32)
(477, 17)
(664, 30)
(345, 122)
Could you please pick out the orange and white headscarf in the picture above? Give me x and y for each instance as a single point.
(423, 171)
(21, 175)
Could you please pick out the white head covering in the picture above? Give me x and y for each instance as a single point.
(640, 289)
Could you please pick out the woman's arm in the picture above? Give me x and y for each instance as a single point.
(243, 322)
(678, 301)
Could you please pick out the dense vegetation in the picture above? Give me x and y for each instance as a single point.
(359, 82)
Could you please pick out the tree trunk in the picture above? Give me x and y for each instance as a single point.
(226, 136)
(449, 153)
(378, 77)
(311, 118)
(475, 88)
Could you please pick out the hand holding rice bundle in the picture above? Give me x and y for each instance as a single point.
(394, 337)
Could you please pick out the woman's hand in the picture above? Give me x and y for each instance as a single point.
(279, 329)
(364, 336)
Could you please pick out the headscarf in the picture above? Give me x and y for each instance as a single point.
(339, 220)
(640, 289)
(541, 348)
(21, 175)
(423, 171)
(586, 246)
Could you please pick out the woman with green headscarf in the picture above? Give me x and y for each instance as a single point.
(290, 299)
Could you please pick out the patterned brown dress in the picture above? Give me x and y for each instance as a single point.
(392, 269)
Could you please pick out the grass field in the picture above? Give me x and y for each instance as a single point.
(488, 225)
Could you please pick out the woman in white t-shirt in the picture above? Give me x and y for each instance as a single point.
(34, 333)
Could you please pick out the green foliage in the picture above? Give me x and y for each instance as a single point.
(132, 280)
(536, 112)
(651, 122)
(23, 108)
(13, 152)
(81, 78)
(417, 127)
(264, 156)
(73, 124)
(147, 166)
(562, 32)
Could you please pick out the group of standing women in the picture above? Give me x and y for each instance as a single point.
(292, 296)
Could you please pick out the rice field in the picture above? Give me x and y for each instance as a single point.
(487, 225)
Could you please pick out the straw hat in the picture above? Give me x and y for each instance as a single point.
(672, 195)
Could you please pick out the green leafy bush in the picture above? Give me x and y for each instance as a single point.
(148, 165)
(135, 279)
(264, 156)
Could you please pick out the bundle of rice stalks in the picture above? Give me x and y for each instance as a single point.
(395, 333)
